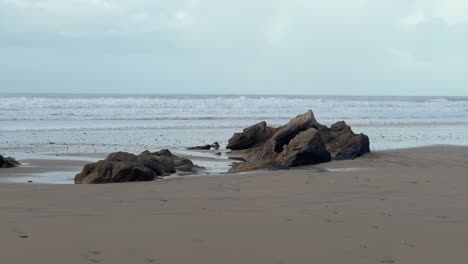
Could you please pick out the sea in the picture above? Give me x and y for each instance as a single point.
(70, 123)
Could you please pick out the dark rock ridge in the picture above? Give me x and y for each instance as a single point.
(251, 137)
(127, 167)
(303, 141)
(215, 146)
(8, 162)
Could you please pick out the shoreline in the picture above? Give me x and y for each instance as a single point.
(43, 170)
(60, 168)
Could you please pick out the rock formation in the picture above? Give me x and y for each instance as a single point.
(303, 141)
(342, 143)
(215, 146)
(8, 162)
(127, 167)
(251, 137)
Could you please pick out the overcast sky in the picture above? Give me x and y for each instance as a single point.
(361, 47)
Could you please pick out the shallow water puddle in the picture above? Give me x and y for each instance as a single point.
(345, 169)
(56, 177)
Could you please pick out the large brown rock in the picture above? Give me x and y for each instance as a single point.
(153, 162)
(282, 136)
(175, 163)
(306, 148)
(343, 143)
(286, 133)
(303, 141)
(251, 137)
(127, 167)
(8, 162)
(107, 171)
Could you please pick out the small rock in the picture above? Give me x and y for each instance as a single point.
(205, 147)
(8, 162)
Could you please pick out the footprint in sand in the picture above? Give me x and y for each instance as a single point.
(406, 243)
(93, 258)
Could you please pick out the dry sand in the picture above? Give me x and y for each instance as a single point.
(401, 206)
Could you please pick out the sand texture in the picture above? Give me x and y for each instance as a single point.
(399, 206)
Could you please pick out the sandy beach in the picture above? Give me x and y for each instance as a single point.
(396, 206)
(230, 132)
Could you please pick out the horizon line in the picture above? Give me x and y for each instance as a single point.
(211, 94)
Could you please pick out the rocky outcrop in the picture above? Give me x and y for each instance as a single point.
(127, 167)
(8, 162)
(304, 149)
(342, 143)
(251, 137)
(303, 141)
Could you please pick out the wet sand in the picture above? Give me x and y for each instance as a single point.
(61, 168)
(399, 206)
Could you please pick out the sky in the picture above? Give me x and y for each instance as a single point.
(317, 47)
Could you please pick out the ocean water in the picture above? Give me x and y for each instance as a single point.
(102, 123)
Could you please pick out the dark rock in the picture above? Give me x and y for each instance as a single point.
(153, 162)
(215, 146)
(303, 141)
(205, 147)
(8, 162)
(307, 148)
(168, 164)
(165, 152)
(183, 162)
(109, 171)
(286, 133)
(127, 167)
(122, 156)
(184, 165)
(283, 135)
(343, 143)
(251, 137)
(186, 168)
(177, 162)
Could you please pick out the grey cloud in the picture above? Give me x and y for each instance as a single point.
(207, 46)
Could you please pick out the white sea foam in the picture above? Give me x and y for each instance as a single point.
(114, 112)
